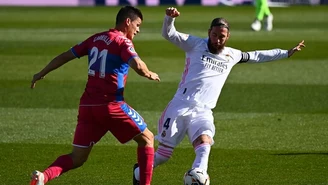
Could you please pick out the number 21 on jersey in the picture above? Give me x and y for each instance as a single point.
(97, 58)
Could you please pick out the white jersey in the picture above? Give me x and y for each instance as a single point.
(205, 73)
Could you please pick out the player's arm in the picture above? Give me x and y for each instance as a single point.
(170, 33)
(269, 55)
(141, 69)
(52, 65)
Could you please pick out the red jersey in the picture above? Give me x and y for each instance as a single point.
(108, 55)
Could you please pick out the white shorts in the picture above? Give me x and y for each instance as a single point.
(180, 119)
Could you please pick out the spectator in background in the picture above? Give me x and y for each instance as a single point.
(263, 13)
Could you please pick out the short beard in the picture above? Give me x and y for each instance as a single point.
(213, 49)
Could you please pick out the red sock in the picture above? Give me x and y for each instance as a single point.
(145, 161)
(62, 164)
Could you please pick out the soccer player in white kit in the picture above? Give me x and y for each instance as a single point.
(207, 65)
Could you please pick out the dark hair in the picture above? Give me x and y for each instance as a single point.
(220, 22)
(128, 12)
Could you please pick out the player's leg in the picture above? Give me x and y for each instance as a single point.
(201, 133)
(265, 8)
(268, 17)
(168, 136)
(202, 147)
(145, 156)
(171, 130)
(162, 155)
(61, 165)
(126, 125)
(259, 14)
(86, 134)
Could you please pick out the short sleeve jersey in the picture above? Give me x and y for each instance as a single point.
(108, 55)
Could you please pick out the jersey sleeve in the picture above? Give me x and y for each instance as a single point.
(127, 50)
(81, 49)
(236, 54)
(184, 41)
(263, 55)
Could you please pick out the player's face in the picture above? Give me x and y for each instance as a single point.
(133, 28)
(218, 37)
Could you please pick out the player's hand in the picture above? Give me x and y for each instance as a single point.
(36, 77)
(297, 48)
(172, 12)
(153, 76)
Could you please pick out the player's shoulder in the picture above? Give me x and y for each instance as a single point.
(124, 40)
(118, 37)
(99, 34)
(196, 41)
(233, 53)
(195, 38)
(231, 50)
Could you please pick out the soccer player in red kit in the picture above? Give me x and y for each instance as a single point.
(102, 106)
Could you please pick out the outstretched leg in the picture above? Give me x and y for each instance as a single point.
(61, 165)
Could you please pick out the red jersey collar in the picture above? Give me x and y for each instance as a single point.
(116, 31)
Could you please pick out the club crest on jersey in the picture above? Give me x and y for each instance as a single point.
(228, 57)
(131, 49)
(163, 133)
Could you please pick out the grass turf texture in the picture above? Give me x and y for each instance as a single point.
(271, 120)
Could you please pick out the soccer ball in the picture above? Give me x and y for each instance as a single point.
(196, 176)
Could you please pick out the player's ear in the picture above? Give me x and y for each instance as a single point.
(128, 21)
(209, 32)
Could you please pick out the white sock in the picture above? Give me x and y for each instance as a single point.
(202, 154)
(162, 155)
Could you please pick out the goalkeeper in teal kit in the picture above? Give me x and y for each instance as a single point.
(263, 14)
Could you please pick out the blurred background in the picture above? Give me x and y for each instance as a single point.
(153, 2)
(271, 120)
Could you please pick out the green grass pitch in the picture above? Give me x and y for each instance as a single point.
(271, 119)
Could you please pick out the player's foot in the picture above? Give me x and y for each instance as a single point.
(268, 22)
(256, 25)
(135, 181)
(37, 178)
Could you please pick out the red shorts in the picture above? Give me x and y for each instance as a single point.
(117, 117)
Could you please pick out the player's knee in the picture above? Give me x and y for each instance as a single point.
(78, 159)
(79, 156)
(202, 139)
(146, 138)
